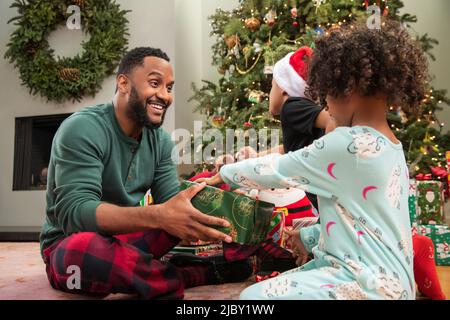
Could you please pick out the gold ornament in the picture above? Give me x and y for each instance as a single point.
(256, 96)
(218, 121)
(69, 74)
(243, 72)
(232, 41)
(252, 24)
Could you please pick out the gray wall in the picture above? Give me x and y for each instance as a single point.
(434, 18)
(151, 24)
(181, 28)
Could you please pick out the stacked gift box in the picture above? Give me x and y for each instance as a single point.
(430, 202)
(426, 208)
(440, 234)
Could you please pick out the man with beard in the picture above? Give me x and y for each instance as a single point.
(96, 238)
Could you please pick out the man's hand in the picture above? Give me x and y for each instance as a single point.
(179, 218)
(297, 246)
(213, 181)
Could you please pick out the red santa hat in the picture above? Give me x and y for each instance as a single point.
(291, 72)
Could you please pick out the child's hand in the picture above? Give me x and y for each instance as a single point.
(297, 246)
(213, 181)
(246, 153)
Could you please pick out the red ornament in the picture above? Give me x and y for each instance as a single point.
(295, 23)
(248, 125)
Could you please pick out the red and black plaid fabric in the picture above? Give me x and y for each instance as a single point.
(120, 264)
(266, 250)
(130, 264)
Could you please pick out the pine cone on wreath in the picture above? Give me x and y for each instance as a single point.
(69, 74)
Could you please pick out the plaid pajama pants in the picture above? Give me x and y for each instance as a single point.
(130, 263)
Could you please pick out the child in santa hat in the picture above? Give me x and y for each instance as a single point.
(302, 120)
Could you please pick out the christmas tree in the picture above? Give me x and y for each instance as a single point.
(255, 35)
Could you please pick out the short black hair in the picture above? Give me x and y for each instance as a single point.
(136, 56)
(385, 61)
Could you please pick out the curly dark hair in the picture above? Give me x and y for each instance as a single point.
(136, 56)
(384, 61)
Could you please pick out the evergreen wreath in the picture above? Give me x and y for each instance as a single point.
(60, 79)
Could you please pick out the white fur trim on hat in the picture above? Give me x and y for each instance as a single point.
(288, 79)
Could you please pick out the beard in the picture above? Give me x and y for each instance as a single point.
(137, 111)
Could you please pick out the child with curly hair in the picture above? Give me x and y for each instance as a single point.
(362, 249)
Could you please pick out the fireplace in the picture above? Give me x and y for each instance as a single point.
(33, 141)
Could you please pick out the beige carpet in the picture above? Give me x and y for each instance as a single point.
(23, 277)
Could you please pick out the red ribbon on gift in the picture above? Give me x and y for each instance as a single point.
(423, 177)
(439, 172)
(260, 278)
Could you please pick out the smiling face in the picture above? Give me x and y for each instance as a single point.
(150, 92)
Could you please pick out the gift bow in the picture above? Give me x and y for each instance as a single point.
(260, 278)
(422, 177)
(439, 172)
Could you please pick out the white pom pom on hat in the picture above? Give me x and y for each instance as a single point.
(291, 72)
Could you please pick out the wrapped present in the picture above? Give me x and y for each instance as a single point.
(441, 240)
(292, 201)
(249, 218)
(430, 202)
(304, 222)
(425, 230)
(147, 200)
(199, 250)
(297, 224)
(414, 228)
(440, 235)
(412, 200)
(276, 229)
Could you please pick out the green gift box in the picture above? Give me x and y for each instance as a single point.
(440, 235)
(249, 218)
(441, 242)
(412, 200)
(430, 202)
